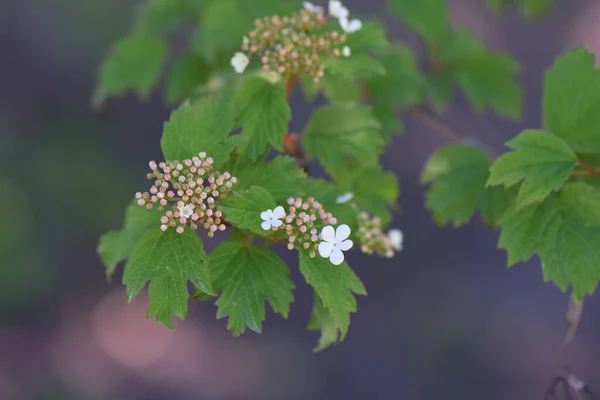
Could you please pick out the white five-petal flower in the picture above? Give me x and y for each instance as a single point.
(185, 211)
(334, 243)
(346, 51)
(312, 8)
(350, 26)
(337, 9)
(272, 218)
(239, 62)
(346, 197)
(396, 237)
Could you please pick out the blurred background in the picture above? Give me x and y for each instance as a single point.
(444, 319)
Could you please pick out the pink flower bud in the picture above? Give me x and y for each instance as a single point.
(141, 202)
(163, 228)
(179, 229)
(163, 202)
(138, 195)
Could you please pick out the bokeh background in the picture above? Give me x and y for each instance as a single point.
(445, 319)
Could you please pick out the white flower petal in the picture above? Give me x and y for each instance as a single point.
(346, 51)
(266, 225)
(350, 26)
(276, 222)
(265, 215)
(328, 234)
(325, 249)
(239, 62)
(342, 233)
(345, 245)
(278, 212)
(337, 9)
(312, 8)
(396, 237)
(336, 257)
(346, 197)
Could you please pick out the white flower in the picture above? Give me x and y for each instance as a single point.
(346, 197)
(337, 9)
(239, 62)
(346, 51)
(334, 243)
(312, 8)
(396, 237)
(272, 218)
(185, 211)
(350, 26)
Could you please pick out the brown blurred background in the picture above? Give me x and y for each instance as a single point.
(445, 319)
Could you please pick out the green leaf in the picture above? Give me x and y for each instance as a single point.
(244, 208)
(321, 320)
(529, 8)
(349, 128)
(429, 18)
(370, 37)
(247, 276)
(534, 8)
(495, 202)
(564, 232)
(374, 190)
(213, 35)
(439, 86)
(458, 174)
(280, 177)
(263, 113)
(544, 161)
(160, 16)
(334, 284)
(572, 100)
(402, 84)
(389, 119)
(488, 79)
(134, 63)
(187, 72)
(356, 66)
(116, 246)
(168, 259)
(201, 126)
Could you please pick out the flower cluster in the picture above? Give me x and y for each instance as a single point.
(374, 240)
(301, 222)
(187, 193)
(290, 46)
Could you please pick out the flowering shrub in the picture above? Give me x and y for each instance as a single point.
(241, 170)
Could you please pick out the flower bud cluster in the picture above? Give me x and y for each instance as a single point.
(289, 46)
(187, 193)
(302, 223)
(372, 238)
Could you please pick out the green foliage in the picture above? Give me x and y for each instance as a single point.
(168, 260)
(243, 209)
(116, 246)
(334, 284)
(542, 159)
(201, 126)
(187, 72)
(246, 277)
(572, 100)
(279, 176)
(529, 8)
(486, 77)
(458, 174)
(564, 230)
(544, 194)
(351, 129)
(134, 63)
(263, 113)
(321, 320)
(429, 18)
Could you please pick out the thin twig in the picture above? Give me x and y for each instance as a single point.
(433, 119)
(573, 387)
